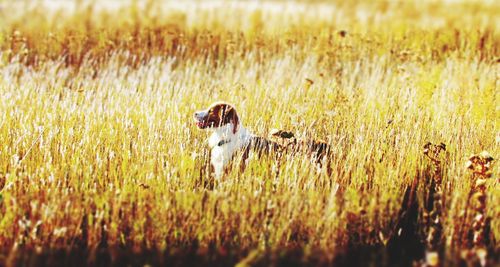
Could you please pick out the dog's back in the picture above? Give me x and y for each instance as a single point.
(261, 146)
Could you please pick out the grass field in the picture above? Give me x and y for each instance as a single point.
(102, 164)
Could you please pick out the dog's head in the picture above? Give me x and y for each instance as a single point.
(217, 115)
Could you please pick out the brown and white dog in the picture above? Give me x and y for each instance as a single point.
(229, 136)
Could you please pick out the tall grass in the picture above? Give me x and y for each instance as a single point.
(98, 151)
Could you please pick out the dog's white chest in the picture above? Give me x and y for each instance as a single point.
(223, 148)
(219, 158)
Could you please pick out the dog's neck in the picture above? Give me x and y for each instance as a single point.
(224, 135)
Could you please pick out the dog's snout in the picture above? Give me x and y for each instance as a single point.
(199, 115)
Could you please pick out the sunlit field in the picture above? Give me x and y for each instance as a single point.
(101, 162)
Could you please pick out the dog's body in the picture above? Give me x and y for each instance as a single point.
(224, 144)
(317, 149)
(229, 137)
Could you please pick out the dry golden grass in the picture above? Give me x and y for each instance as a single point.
(99, 154)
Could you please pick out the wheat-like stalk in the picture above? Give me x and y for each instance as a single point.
(433, 213)
(476, 246)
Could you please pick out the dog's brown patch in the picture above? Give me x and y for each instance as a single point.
(219, 115)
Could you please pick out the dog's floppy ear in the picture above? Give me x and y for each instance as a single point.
(229, 115)
(235, 119)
